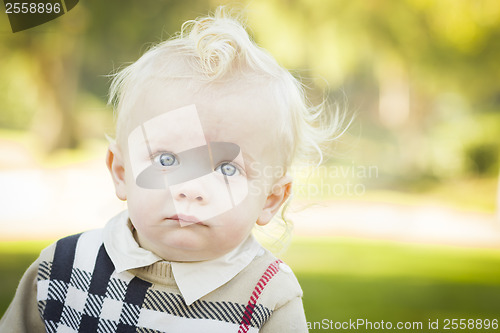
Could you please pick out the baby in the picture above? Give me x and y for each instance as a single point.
(208, 125)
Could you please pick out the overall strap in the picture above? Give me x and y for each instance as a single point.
(270, 272)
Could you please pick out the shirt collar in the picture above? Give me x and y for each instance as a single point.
(194, 279)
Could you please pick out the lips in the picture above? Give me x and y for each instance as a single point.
(185, 220)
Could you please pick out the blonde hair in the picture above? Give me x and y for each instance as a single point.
(217, 48)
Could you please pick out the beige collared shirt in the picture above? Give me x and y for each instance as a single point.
(194, 279)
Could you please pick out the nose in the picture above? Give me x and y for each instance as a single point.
(190, 191)
(190, 196)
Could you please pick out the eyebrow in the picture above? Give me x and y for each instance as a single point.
(154, 145)
(247, 157)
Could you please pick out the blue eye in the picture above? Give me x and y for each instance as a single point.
(227, 169)
(166, 159)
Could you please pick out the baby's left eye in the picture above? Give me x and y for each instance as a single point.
(227, 169)
(166, 159)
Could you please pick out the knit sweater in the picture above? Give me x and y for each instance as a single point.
(74, 287)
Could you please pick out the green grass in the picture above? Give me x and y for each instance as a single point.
(355, 279)
(348, 279)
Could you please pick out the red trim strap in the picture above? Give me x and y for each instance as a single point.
(271, 271)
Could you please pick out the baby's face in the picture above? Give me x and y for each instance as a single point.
(198, 175)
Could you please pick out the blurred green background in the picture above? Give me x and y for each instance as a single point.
(421, 78)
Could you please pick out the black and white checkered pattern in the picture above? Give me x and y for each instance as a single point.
(84, 293)
(75, 300)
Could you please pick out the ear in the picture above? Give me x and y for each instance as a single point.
(280, 192)
(115, 163)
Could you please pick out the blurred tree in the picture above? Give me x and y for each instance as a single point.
(51, 55)
(77, 51)
(398, 59)
(442, 44)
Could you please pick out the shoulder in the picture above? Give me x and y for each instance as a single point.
(280, 285)
(86, 241)
(70, 245)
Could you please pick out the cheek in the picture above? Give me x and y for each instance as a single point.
(139, 209)
(146, 203)
(256, 188)
(247, 199)
(259, 188)
(238, 189)
(146, 210)
(252, 205)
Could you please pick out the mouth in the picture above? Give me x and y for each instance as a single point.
(185, 220)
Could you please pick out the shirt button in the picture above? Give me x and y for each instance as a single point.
(261, 252)
(285, 268)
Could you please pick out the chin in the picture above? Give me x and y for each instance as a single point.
(183, 242)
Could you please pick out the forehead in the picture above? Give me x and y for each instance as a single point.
(237, 112)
